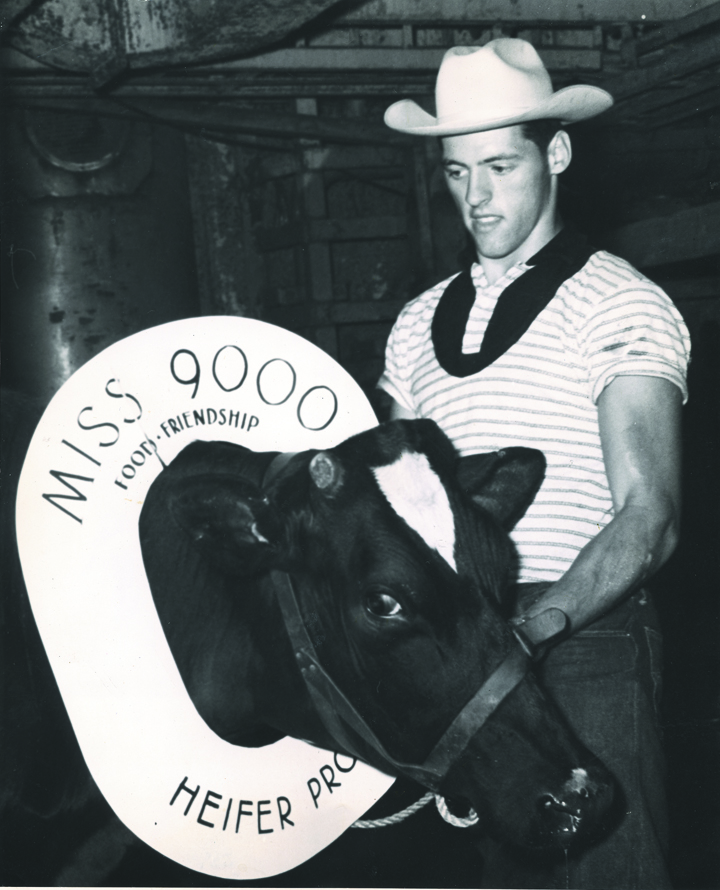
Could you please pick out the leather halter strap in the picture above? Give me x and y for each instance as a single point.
(341, 718)
(276, 465)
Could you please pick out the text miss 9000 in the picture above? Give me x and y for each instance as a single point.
(275, 383)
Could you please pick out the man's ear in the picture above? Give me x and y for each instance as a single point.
(227, 520)
(503, 482)
(559, 153)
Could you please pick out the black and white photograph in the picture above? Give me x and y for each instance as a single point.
(360, 444)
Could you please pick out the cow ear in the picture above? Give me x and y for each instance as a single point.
(503, 482)
(227, 520)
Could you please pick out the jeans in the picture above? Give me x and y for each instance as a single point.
(607, 682)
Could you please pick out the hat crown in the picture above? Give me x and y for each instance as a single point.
(504, 77)
(497, 85)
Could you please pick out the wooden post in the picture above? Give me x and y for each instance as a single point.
(319, 266)
(422, 203)
(227, 266)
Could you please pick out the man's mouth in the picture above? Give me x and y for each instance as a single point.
(486, 221)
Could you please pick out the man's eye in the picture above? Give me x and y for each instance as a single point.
(453, 172)
(499, 170)
(382, 605)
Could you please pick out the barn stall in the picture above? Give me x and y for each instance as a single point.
(170, 159)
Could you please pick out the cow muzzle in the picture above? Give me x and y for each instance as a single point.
(579, 813)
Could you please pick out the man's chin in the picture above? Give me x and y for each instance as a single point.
(494, 251)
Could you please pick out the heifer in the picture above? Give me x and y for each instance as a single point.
(394, 556)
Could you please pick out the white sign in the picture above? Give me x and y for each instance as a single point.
(238, 813)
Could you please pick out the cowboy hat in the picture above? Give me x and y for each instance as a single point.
(496, 85)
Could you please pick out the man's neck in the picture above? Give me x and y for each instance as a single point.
(495, 268)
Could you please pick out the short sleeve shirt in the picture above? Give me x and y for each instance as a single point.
(606, 321)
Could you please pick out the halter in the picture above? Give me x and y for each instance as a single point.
(339, 715)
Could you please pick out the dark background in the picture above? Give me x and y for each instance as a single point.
(240, 166)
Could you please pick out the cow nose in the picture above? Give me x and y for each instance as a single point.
(578, 810)
(563, 818)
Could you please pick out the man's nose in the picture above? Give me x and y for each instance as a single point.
(479, 189)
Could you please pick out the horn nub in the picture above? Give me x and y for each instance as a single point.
(325, 474)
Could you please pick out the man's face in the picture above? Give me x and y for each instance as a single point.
(501, 183)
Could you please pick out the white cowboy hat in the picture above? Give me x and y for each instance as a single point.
(496, 85)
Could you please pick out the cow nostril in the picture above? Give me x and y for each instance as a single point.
(566, 820)
(550, 802)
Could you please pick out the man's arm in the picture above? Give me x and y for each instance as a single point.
(639, 420)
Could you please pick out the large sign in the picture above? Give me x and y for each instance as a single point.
(233, 812)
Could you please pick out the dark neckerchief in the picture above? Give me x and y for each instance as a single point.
(516, 309)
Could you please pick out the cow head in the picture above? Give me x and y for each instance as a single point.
(400, 556)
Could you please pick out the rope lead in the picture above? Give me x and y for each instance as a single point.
(442, 807)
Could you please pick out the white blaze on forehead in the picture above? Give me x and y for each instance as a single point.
(417, 495)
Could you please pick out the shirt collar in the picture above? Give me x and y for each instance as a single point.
(480, 279)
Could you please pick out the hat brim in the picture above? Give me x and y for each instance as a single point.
(569, 105)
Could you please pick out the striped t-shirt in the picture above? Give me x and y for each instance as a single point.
(606, 321)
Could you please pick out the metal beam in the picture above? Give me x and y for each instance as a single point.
(687, 235)
(239, 85)
(383, 12)
(224, 117)
(321, 59)
(387, 59)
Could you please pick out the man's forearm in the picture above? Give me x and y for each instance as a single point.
(624, 554)
(639, 420)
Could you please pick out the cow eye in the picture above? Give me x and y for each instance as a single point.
(382, 604)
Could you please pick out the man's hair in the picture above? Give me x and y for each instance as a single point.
(541, 132)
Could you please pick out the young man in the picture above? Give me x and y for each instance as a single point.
(546, 343)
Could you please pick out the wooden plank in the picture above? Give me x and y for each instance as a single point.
(363, 228)
(693, 56)
(383, 12)
(700, 18)
(308, 315)
(699, 104)
(656, 101)
(687, 235)
(334, 157)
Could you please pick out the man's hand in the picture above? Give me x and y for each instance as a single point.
(539, 633)
(639, 421)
